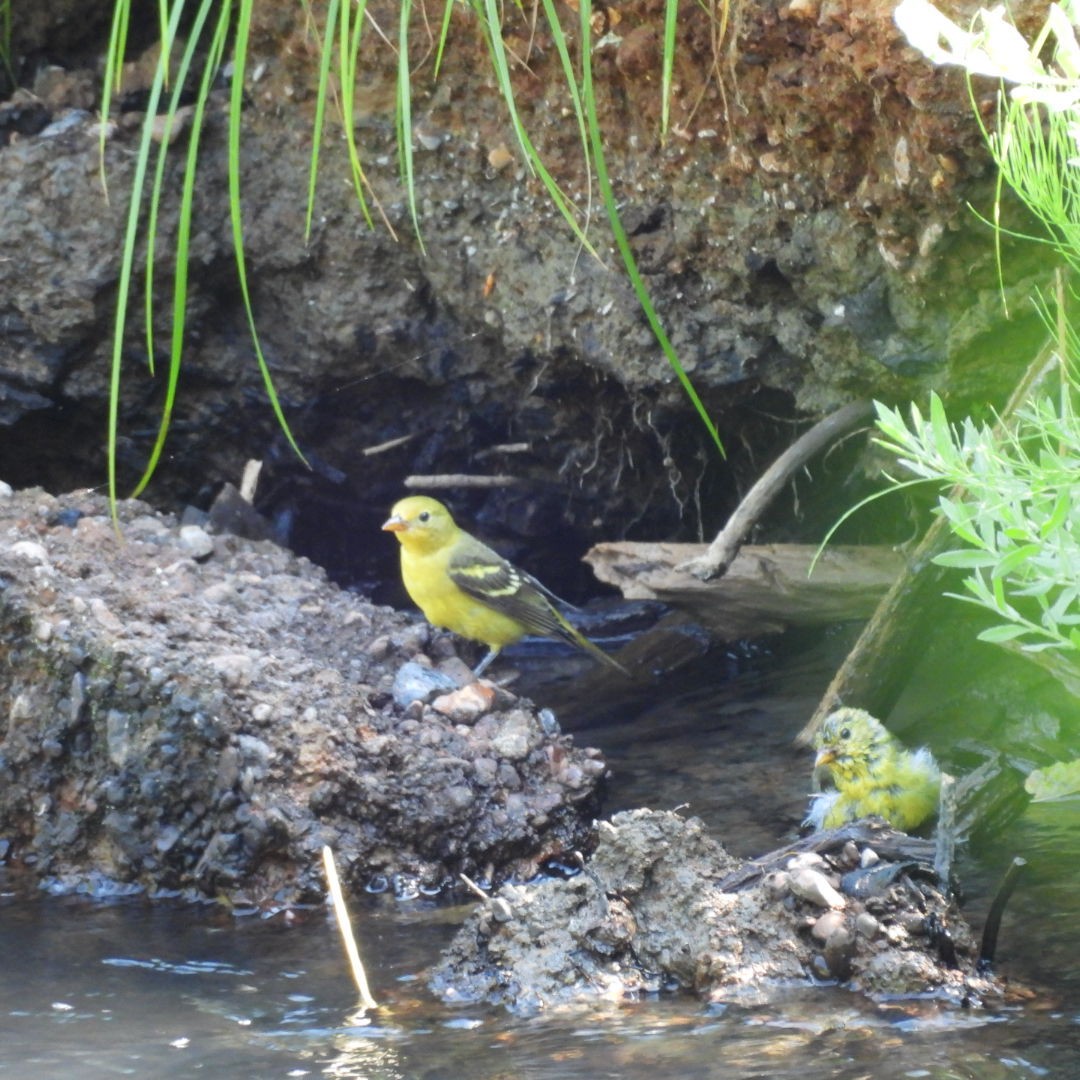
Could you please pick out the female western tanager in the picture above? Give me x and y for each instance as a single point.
(460, 584)
(871, 773)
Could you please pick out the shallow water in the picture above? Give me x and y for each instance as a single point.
(125, 988)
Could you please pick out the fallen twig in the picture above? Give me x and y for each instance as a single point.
(453, 480)
(716, 560)
(341, 912)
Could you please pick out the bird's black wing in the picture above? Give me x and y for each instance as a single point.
(491, 579)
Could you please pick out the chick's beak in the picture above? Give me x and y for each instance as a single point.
(395, 524)
(825, 756)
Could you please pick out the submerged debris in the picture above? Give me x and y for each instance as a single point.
(660, 905)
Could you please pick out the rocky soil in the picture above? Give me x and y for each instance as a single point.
(182, 711)
(660, 905)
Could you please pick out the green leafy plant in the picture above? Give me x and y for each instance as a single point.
(1013, 512)
(1055, 783)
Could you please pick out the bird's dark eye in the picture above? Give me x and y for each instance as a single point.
(425, 516)
(845, 733)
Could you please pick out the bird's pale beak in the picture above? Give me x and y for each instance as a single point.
(395, 524)
(825, 756)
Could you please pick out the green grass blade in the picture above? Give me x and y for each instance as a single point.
(164, 37)
(236, 104)
(210, 69)
(559, 40)
(127, 264)
(5, 39)
(348, 53)
(318, 126)
(622, 241)
(493, 35)
(403, 118)
(164, 146)
(444, 34)
(671, 18)
(114, 65)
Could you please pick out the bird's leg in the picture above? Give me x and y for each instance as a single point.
(483, 665)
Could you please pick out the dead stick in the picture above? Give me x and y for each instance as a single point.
(716, 560)
(390, 444)
(997, 909)
(453, 480)
(474, 888)
(345, 928)
(945, 840)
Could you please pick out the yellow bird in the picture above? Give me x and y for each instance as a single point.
(460, 584)
(871, 773)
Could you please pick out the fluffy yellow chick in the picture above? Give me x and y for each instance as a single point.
(870, 772)
(460, 584)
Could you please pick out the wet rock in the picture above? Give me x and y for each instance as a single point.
(205, 726)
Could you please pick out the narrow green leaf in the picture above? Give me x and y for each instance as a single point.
(127, 265)
(243, 25)
(210, 68)
(939, 423)
(1058, 515)
(318, 127)
(999, 634)
(667, 66)
(1015, 559)
(497, 49)
(621, 240)
(444, 34)
(966, 560)
(404, 117)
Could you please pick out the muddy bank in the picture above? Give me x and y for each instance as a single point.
(181, 711)
(659, 905)
(804, 232)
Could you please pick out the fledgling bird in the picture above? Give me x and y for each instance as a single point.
(870, 772)
(461, 584)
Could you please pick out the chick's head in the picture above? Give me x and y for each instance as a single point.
(850, 745)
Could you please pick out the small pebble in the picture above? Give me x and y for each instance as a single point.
(869, 858)
(196, 542)
(827, 925)
(501, 911)
(777, 884)
(812, 885)
(415, 682)
(806, 859)
(467, 704)
(866, 925)
(499, 157)
(30, 550)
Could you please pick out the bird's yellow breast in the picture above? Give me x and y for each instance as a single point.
(427, 580)
(902, 788)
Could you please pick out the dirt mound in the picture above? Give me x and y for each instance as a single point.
(182, 711)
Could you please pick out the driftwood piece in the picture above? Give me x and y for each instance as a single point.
(721, 552)
(885, 840)
(875, 670)
(765, 590)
